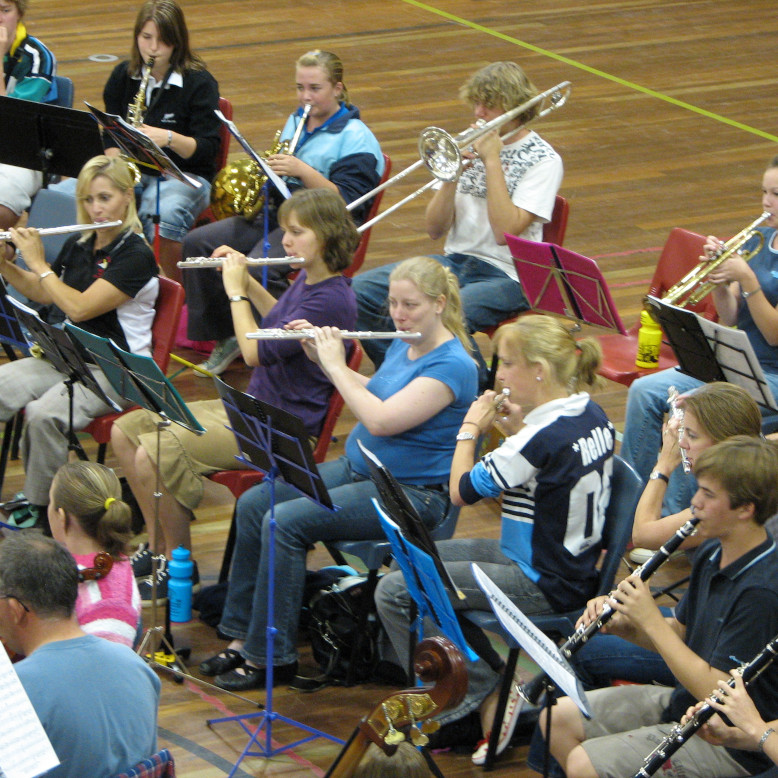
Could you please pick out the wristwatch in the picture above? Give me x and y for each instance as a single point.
(466, 436)
(657, 476)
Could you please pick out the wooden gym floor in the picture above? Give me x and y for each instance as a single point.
(669, 124)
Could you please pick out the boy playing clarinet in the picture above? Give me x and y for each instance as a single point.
(727, 616)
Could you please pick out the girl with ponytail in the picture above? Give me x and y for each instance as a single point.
(88, 516)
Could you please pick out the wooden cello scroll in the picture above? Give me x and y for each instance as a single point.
(103, 562)
(437, 661)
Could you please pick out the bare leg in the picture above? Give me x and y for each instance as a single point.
(170, 254)
(141, 475)
(579, 765)
(567, 734)
(488, 709)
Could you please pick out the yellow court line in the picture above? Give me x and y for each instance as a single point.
(601, 74)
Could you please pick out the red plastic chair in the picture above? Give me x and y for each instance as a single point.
(553, 232)
(225, 106)
(170, 300)
(680, 254)
(359, 254)
(239, 481)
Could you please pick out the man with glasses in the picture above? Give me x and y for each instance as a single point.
(97, 700)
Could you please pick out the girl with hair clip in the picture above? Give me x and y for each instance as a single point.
(553, 470)
(407, 413)
(318, 228)
(88, 516)
(336, 151)
(180, 99)
(105, 281)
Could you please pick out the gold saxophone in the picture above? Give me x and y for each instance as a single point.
(136, 111)
(237, 188)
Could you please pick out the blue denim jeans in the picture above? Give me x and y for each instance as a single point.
(646, 407)
(393, 603)
(488, 297)
(299, 523)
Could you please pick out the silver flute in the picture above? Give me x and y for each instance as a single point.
(6, 234)
(306, 334)
(676, 412)
(194, 263)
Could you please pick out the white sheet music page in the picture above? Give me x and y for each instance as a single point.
(540, 647)
(25, 750)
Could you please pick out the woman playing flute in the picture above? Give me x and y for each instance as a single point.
(408, 414)
(336, 150)
(106, 282)
(318, 228)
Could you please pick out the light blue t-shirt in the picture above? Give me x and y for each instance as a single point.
(421, 455)
(97, 701)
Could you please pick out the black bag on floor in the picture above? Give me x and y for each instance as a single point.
(334, 618)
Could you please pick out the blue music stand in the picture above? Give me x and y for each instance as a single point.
(424, 585)
(276, 443)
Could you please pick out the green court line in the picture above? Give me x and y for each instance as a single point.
(601, 74)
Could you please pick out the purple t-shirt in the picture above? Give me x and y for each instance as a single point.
(286, 377)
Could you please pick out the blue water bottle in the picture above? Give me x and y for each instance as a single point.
(180, 585)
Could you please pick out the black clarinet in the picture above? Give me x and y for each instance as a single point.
(533, 689)
(680, 733)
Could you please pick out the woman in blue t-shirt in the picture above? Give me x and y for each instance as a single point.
(408, 414)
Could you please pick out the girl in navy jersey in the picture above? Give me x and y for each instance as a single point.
(553, 471)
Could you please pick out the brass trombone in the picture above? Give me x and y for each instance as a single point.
(441, 152)
(693, 287)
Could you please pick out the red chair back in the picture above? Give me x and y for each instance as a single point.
(554, 230)
(359, 254)
(170, 301)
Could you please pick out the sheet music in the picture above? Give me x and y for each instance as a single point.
(25, 750)
(540, 647)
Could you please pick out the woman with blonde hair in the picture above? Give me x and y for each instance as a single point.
(336, 150)
(553, 471)
(407, 414)
(105, 281)
(88, 516)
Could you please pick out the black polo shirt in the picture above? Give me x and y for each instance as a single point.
(730, 615)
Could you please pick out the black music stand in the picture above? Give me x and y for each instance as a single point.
(67, 356)
(558, 672)
(50, 138)
(276, 443)
(558, 281)
(708, 351)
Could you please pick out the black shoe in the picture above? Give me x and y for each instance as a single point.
(254, 677)
(141, 561)
(461, 735)
(223, 662)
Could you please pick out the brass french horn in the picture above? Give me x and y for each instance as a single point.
(237, 188)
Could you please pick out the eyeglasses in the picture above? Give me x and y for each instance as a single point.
(14, 597)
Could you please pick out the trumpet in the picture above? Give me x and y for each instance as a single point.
(694, 286)
(64, 230)
(306, 334)
(441, 152)
(194, 263)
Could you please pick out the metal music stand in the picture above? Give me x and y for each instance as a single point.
(541, 649)
(149, 157)
(558, 281)
(270, 174)
(276, 443)
(708, 351)
(49, 138)
(67, 356)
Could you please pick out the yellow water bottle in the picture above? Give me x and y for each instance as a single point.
(649, 341)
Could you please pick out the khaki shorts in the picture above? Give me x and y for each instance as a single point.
(185, 458)
(623, 732)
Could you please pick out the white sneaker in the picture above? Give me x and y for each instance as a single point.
(224, 353)
(507, 728)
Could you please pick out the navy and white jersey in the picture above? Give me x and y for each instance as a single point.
(555, 477)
